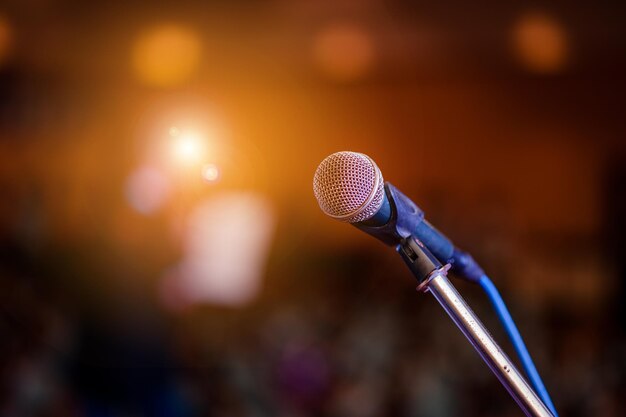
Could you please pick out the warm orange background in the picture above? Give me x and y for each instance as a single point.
(505, 123)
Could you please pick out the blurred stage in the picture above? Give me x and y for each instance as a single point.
(161, 251)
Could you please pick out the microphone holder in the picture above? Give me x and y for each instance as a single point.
(432, 277)
(407, 219)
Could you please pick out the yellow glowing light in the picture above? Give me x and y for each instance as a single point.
(166, 55)
(210, 173)
(540, 43)
(174, 131)
(343, 51)
(189, 148)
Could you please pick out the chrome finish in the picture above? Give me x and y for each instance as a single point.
(479, 337)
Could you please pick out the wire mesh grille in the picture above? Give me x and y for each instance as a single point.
(348, 186)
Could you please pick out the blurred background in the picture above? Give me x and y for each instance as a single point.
(161, 251)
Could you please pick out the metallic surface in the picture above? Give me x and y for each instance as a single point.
(349, 186)
(479, 337)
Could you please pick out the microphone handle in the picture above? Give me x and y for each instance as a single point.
(407, 219)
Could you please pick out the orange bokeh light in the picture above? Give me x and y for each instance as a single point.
(166, 55)
(343, 51)
(540, 43)
(6, 38)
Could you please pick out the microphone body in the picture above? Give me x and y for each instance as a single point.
(350, 188)
(399, 217)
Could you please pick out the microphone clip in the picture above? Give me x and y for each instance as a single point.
(420, 261)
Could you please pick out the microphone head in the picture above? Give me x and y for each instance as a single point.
(348, 186)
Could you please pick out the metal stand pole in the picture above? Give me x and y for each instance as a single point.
(433, 279)
(445, 293)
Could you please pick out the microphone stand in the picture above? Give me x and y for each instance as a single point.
(432, 277)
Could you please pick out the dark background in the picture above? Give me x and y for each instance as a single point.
(504, 121)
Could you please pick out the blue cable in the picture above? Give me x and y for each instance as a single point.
(516, 339)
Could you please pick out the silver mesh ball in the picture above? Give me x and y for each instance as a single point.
(349, 186)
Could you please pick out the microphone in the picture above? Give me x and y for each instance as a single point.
(349, 187)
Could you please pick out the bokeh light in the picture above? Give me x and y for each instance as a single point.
(147, 189)
(226, 245)
(210, 173)
(6, 38)
(540, 43)
(174, 131)
(189, 148)
(166, 55)
(343, 51)
(128, 131)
